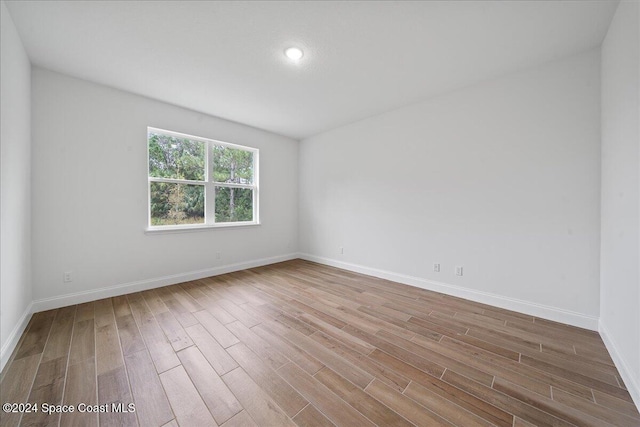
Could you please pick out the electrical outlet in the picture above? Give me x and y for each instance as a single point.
(217, 255)
(436, 267)
(67, 277)
(459, 270)
(341, 250)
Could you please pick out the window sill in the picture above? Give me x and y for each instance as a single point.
(194, 228)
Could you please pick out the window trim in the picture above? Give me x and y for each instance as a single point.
(208, 184)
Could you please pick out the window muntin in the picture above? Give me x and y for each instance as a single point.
(198, 182)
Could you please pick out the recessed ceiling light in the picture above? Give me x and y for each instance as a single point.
(294, 53)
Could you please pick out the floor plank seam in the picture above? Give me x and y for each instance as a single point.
(39, 364)
(64, 383)
(343, 331)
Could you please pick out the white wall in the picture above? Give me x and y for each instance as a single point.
(502, 178)
(90, 194)
(15, 186)
(620, 254)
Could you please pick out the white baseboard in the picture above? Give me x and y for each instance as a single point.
(143, 285)
(14, 337)
(123, 289)
(630, 381)
(538, 310)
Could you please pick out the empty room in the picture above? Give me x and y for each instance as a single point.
(320, 213)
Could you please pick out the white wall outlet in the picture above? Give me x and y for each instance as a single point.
(436, 267)
(341, 250)
(67, 277)
(217, 255)
(459, 270)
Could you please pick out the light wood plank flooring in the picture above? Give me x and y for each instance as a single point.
(302, 344)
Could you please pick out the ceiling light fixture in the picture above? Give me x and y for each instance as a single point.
(293, 53)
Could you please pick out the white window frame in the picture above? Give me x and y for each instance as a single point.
(208, 184)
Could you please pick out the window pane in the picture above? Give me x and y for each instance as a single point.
(173, 204)
(232, 165)
(234, 204)
(176, 158)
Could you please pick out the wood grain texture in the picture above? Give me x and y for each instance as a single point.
(185, 400)
(152, 406)
(221, 361)
(255, 400)
(108, 352)
(16, 385)
(162, 354)
(83, 342)
(81, 387)
(311, 417)
(326, 401)
(280, 391)
(242, 419)
(222, 404)
(114, 391)
(36, 335)
(297, 343)
(47, 387)
(130, 338)
(60, 336)
(360, 400)
(413, 411)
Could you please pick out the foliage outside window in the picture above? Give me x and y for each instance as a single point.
(195, 181)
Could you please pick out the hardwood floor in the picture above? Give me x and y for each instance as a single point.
(302, 344)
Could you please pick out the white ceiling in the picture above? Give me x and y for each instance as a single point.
(361, 58)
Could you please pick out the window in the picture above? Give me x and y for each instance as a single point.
(197, 182)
